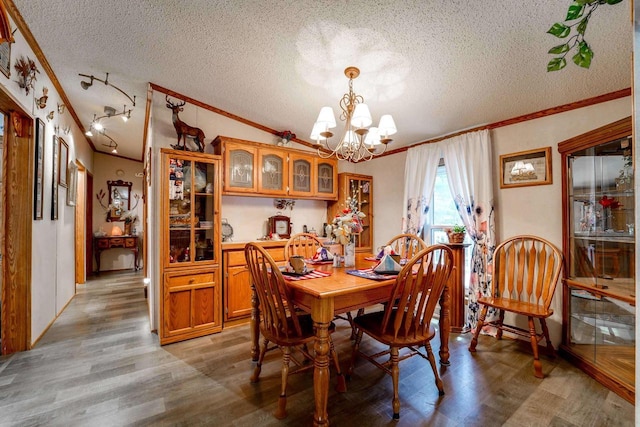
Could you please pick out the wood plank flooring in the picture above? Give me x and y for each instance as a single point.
(99, 365)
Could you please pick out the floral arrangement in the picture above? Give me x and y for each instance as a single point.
(609, 202)
(347, 223)
(286, 136)
(27, 70)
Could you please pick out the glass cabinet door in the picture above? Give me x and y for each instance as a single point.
(272, 177)
(601, 203)
(192, 230)
(327, 174)
(300, 183)
(240, 173)
(599, 249)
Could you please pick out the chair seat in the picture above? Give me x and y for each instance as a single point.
(515, 306)
(371, 323)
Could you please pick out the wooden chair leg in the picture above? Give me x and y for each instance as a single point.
(500, 323)
(341, 385)
(474, 340)
(354, 354)
(256, 372)
(432, 361)
(395, 375)
(550, 350)
(537, 366)
(281, 411)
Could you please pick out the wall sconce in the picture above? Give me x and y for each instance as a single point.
(61, 108)
(42, 101)
(50, 115)
(86, 85)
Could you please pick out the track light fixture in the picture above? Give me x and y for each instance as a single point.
(112, 144)
(86, 85)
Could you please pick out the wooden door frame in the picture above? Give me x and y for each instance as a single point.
(79, 223)
(16, 241)
(88, 237)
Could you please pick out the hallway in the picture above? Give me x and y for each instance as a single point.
(99, 365)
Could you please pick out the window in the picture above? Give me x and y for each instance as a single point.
(442, 215)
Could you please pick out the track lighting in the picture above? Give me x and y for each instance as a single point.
(86, 85)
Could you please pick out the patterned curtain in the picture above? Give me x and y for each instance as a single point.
(420, 171)
(467, 159)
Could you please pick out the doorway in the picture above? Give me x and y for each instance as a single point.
(16, 216)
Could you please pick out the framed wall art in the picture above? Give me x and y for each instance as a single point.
(532, 167)
(119, 199)
(54, 181)
(38, 189)
(72, 180)
(63, 165)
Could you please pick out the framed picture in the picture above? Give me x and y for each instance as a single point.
(63, 164)
(72, 179)
(119, 199)
(54, 181)
(5, 58)
(38, 190)
(524, 168)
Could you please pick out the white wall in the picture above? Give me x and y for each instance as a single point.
(53, 263)
(105, 169)
(525, 210)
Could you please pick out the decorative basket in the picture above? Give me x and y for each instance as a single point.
(456, 237)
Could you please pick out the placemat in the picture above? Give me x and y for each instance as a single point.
(318, 262)
(316, 274)
(368, 273)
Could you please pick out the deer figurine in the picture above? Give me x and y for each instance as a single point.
(183, 129)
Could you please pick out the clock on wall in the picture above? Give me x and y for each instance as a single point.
(281, 225)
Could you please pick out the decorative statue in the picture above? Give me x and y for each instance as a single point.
(183, 129)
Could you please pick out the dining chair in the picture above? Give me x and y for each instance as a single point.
(525, 274)
(280, 324)
(303, 244)
(405, 321)
(406, 245)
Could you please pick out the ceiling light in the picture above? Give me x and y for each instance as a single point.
(86, 86)
(112, 144)
(359, 142)
(89, 133)
(98, 126)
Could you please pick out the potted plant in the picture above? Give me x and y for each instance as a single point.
(456, 233)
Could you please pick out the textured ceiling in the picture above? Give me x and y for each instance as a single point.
(436, 66)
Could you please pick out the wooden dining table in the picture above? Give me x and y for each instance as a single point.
(338, 293)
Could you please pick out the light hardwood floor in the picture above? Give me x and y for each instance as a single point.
(99, 365)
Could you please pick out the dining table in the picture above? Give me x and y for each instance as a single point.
(337, 293)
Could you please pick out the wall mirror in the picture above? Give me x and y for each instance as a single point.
(119, 199)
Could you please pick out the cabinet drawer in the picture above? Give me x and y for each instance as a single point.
(103, 244)
(117, 242)
(129, 243)
(236, 258)
(190, 279)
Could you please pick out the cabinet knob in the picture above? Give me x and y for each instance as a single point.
(191, 281)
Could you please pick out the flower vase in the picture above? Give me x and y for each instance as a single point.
(349, 251)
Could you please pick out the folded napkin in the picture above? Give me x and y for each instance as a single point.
(388, 265)
(322, 254)
(386, 250)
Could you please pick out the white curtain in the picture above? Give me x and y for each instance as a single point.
(420, 171)
(467, 159)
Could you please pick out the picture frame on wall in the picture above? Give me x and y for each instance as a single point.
(524, 168)
(38, 188)
(63, 164)
(72, 179)
(54, 181)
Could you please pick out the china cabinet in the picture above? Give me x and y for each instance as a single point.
(263, 170)
(599, 247)
(359, 187)
(191, 301)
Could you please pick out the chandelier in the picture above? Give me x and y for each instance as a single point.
(359, 141)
